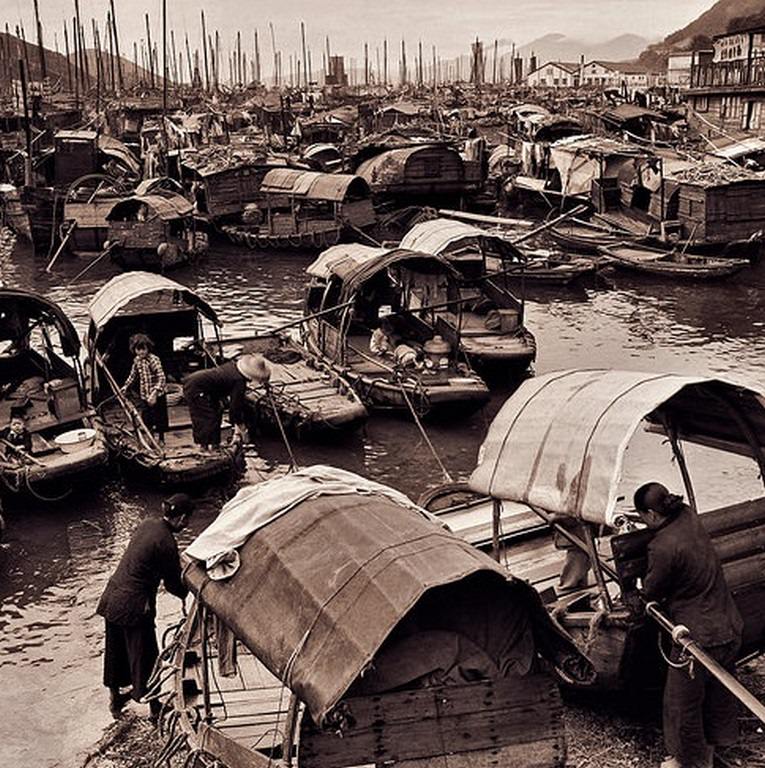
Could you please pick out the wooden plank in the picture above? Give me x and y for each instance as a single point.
(420, 724)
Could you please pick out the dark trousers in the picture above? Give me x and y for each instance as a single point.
(155, 416)
(129, 656)
(206, 414)
(698, 711)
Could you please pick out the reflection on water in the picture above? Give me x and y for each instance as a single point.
(61, 555)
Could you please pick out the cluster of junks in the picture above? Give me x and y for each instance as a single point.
(684, 574)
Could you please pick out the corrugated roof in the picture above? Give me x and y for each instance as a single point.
(317, 615)
(123, 289)
(312, 185)
(558, 443)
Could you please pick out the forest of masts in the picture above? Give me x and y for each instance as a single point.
(94, 57)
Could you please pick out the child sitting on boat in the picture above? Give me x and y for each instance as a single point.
(148, 373)
(384, 339)
(15, 439)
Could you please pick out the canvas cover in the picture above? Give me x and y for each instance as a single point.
(123, 289)
(321, 587)
(558, 443)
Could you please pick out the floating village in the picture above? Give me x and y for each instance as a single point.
(401, 240)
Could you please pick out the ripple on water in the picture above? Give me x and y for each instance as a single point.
(62, 555)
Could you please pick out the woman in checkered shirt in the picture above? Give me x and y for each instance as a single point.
(148, 374)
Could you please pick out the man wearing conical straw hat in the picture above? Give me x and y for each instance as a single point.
(206, 392)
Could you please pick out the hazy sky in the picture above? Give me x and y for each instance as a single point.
(446, 23)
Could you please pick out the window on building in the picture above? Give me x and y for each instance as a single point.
(701, 103)
(556, 81)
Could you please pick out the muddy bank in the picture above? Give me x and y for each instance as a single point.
(597, 738)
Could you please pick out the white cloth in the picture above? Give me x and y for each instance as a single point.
(255, 506)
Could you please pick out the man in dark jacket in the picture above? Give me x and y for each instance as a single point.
(685, 575)
(206, 392)
(128, 603)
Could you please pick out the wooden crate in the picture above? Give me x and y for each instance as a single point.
(513, 722)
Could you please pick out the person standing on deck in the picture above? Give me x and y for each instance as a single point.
(685, 575)
(205, 393)
(128, 603)
(149, 376)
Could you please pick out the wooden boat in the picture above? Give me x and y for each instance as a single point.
(87, 204)
(578, 236)
(424, 651)
(525, 460)
(552, 269)
(42, 377)
(305, 210)
(155, 231)
(350, 286)
(673, 264)
(486, 318)
(171, 315)
(311, 400)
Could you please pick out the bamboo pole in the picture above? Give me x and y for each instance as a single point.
(204, 47)
(68, 60)
(257, 58)
(27, 126)
(188, 59)
(116, 37)
(149, 48)
(40, 47)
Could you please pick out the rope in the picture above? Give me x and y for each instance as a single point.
(424, 434)
(675, 665)
(278, 418)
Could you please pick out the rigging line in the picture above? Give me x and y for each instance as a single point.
(278, 418)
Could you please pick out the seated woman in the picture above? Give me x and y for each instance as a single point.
(384, 338)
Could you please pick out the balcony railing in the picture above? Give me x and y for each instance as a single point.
(728, 74)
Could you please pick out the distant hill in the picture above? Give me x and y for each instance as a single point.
(559, 47)
(723, 16)
(56, 64)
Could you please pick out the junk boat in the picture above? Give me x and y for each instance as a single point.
(41, 379)
(352, 288)
(304, 394)
(173, 317)
(557, 448)
(675, 264)
(398, 644)
(491, 327)
(306, 210)
(155, 231)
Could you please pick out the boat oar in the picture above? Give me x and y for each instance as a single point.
(548, 224)
(93, 263)
(409, 405)
(143, 433)
(682, 637)
(290, 324)
(61, 247)
(680, 634)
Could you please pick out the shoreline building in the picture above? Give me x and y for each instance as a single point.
(728, 83)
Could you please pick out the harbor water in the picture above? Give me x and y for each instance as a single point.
(58, 556)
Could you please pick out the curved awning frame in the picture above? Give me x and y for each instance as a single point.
(558, 443)
(121, 290)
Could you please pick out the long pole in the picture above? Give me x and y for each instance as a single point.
(40, 47)
(188, 58)
(204, 47)
(75, 42)
(305, 55)
(68, 60)
(257, 58)
(276, 61)
(120, 79)
(150, 50)
(27, 127)
(164, 68)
